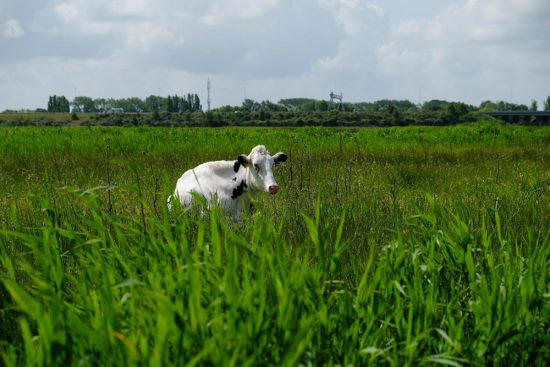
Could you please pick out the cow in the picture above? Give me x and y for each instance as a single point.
(229, 183)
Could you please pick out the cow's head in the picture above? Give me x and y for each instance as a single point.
(260, 164)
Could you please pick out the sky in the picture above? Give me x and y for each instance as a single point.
(456, 50)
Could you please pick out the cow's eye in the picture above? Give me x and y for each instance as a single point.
(257, 167)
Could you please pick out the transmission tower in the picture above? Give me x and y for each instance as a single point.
(338, 97)
(208, 87)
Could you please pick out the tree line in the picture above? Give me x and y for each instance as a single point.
(191, 103)
(384, 105)
(187, 110)
(188, 103)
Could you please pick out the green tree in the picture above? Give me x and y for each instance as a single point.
(84, 104)
(310, 106)
(100, 105)
(184, 105)
(321, 106)
(170, 104)
(51, 103)
(534, 105)
(456, 111)
(65, 105)
(134, 104)
(176, 104)
(197, 103)
(435, 105)
(488, 106)
(296, 104)
(402, 105)
(249, 105)
(547, 104)
(152, 103)
(58, 104)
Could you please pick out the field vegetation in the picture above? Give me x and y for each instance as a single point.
(174, 111)
(388, 246)
(244, 118)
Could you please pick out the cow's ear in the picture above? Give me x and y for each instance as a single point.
(279, 158)
(243, 159)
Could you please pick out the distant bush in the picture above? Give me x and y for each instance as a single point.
(436, 115)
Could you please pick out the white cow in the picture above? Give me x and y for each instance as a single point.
(230, 182)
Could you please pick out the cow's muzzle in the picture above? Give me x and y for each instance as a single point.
(273, 189)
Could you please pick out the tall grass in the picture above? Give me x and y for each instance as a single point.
(384, 247)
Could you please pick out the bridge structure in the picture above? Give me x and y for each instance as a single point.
(532, 117)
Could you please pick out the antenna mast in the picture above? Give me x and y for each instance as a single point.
(208, 86)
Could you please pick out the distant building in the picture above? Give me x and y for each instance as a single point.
(117, 110)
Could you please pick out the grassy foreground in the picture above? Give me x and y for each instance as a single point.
(398, 246)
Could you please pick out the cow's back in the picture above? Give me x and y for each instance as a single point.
(208, 180)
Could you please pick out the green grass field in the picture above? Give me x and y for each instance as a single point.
(387, 246)
(42, 119)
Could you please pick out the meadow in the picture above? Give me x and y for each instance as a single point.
(385, 246)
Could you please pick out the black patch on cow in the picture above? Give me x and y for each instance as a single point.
(236, 166)
(280, 158)
(243, 159)
(235, 179)
(239, 190)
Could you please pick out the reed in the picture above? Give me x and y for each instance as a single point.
(433, 247)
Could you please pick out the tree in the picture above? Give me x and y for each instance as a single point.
(64, 105)
(547, 104)
(170, 104)
(403, 105)
(152, 103)
(249, 105)
(58, 104)
(534, 107)
(503, 106)
(84, 104)
(297, 104)
(100, 104)
(184, 105)
(488, 106)
(134, 104)
(435, 105)
(321, 106)
(455, 111)
(197, 103)
(51, 104)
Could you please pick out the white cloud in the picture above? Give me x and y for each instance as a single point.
(68, 12)
(220, 11)
(12, 29)
(364, 25)
(479, 48)
(466, 50)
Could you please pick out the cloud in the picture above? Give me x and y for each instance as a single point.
(244, 37)
(352, 69)
(98, 43)
(485, 45)
(466, 50)
(12, 29)
(220, 12)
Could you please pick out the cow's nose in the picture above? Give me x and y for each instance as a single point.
(273, 189)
